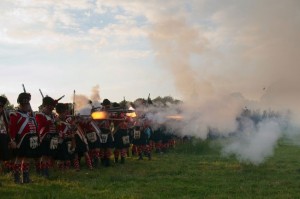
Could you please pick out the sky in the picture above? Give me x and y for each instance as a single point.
(131, 48)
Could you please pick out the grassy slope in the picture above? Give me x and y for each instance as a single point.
(191, 171)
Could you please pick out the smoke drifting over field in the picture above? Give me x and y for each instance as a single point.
(260, 63)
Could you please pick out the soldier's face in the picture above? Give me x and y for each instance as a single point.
(25, 107)
(49, 108)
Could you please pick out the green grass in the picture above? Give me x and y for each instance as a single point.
(192, 170)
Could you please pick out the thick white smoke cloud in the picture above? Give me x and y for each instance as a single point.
(249, 49)
(255, 143)
(84, 104)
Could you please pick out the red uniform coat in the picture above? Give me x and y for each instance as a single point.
(46, 124)
(21, 124)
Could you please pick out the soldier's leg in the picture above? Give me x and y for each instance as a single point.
(88, 160)
(96, 157)
(17, 170)
(123, 155)
(107, 157)
(76, 162)
(140, 152)
(25, 169)
(116, 155)
(102, 154)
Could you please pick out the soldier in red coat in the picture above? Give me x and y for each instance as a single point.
(106, 137)
(66, 131)
(48, 134)
(121, 135)
(82, 146)
(24, 136)
(5, 152)
(92, 133)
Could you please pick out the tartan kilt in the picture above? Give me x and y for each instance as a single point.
(95, 144)
(24, 149)
(142, 140)
(63, 152)
(110, 140)
(81, 146)
(5, 151)
(120, 138)
(45, 147)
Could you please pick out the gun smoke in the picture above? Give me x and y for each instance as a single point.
(263, 56)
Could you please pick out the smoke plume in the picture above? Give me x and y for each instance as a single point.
(252, 51)
(84, 104)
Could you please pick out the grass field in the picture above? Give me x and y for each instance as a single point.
(192, 170)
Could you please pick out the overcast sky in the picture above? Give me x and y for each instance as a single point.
(131, 48)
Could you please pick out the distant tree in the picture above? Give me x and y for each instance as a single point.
(165, 100)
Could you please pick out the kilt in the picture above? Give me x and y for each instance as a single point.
(28, 146)
(106, 139)
(93, 140)
(49, 145)
(81, 146)
(122, 139)
(64, 151)
(5, 152)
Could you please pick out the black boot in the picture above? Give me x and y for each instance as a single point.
(17, 178)
(149, 156)
(122, 160)
(116, 160)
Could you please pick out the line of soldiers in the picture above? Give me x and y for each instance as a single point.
(63, 139)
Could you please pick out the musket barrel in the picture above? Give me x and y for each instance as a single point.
(41, 93)
(24, 88)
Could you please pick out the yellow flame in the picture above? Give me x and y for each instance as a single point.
(99, 115)
(133, 114)
(175, 117)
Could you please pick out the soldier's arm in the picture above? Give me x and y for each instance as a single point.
(13, 125)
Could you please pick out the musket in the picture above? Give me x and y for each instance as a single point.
(24, 88)
(118, 110)
(40, 92)
(60, 98)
